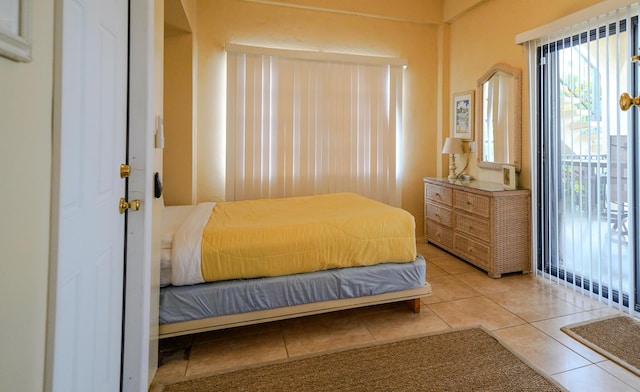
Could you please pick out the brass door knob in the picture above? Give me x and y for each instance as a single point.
(626, 101)
(125, 170)
(133, 205)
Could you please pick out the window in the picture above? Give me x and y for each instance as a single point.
(302, 123)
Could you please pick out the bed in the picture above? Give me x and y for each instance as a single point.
(239, 263)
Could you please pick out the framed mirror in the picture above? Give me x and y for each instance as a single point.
(499, 118)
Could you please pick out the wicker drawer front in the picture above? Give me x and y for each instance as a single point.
(437, 193)
(439, 214)
(473, 226)
(470, 202)
(440, 234)
(474, 250)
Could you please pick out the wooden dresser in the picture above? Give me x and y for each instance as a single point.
(480, 222)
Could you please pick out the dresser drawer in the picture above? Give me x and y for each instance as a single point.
(438, 214)
(439, 234)
(477, 252)
(438, 194)
(470, 202)
(474, 227)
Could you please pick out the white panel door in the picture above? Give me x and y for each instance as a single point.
(90, 133)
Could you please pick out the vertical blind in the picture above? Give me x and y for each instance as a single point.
(582, 169)
(303, 123)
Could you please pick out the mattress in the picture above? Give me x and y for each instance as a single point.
(172, 218)
(185, 303)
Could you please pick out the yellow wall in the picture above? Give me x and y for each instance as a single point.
(484, 35)
(25, 181)
(178, 166)
(452, 8)
(419, 11)
(179, 169)
(244, 22)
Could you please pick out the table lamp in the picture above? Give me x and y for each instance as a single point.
(452, 146)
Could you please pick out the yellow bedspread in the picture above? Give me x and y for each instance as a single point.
(271, 237)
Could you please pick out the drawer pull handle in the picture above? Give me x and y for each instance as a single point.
(468, 203)
(470, 249)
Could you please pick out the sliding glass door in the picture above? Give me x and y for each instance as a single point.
(587, 160)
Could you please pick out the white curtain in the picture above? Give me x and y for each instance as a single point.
(302, 123)
(582, 144)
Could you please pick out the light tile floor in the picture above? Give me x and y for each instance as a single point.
(526, 312)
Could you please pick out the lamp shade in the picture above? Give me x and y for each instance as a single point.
(452, 146)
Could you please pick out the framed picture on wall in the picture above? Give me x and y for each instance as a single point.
(509, 179)
(15, 29)
(463, 115)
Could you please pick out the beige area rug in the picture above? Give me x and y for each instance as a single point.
(615, 337)
(459, 360)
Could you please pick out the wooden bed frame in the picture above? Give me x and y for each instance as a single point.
(412, 296)
(262, 316)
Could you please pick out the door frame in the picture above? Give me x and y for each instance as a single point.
(140, 341)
